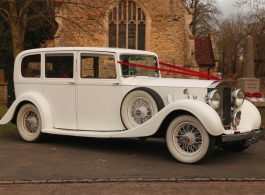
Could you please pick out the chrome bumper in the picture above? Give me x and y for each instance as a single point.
(255, 134)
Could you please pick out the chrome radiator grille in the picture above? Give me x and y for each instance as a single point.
(227, 106)
(224, 110)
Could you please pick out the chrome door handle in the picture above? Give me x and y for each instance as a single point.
(71, 83)
(115, 83)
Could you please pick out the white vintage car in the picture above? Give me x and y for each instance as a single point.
(93, 92)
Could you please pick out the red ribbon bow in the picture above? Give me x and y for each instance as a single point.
(256, 94)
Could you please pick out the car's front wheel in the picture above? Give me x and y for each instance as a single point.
(188, 141)
(29, 123)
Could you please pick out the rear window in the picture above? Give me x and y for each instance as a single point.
(59, 65)
(30, 66)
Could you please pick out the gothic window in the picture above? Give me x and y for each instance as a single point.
(127, 26)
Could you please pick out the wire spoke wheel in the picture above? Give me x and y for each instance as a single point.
(140, 110)
(188, 141)
(29, 123)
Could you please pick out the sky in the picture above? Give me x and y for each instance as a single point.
(227, 6)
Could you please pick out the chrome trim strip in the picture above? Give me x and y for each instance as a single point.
(235, 137)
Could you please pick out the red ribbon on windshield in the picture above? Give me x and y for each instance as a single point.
(184, 71)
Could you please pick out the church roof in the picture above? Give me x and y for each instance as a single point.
(204, 53)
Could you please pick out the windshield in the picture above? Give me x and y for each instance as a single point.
(150, 61)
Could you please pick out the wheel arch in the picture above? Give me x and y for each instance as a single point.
(20, 104)
(200, 110)
(162, 130)
(38, 101)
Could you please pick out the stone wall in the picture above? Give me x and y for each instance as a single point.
(167, 29)
(2, 76)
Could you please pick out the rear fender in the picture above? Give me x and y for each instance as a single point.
(36, 99)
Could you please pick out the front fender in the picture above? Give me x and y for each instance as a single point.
(36, 99)
(206, 114)
(250, 117)
(203, 112)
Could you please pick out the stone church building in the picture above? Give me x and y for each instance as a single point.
(161, 26)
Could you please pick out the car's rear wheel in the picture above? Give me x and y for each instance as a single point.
(29, 123)
(188, 141)
(140, 105)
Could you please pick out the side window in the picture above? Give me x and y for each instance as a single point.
(59, 65)
(98, 66)
(30, 66)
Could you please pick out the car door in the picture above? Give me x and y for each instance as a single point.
(59, 88)
(98, 92)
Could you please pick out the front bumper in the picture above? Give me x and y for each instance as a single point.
(254, 134)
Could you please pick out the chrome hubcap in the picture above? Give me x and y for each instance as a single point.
(187, 139)
(140, 110)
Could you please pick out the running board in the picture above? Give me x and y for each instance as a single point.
(78, 133)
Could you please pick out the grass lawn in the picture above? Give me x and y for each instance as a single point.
(11, 129)
(8, 129)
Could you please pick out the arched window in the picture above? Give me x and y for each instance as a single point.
(127, 26)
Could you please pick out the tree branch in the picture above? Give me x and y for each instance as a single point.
(5, 15)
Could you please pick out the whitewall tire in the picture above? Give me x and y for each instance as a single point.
(29, 123)
(140, 105)
(188, 141)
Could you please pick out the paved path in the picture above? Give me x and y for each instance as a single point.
(142, 188)
(63, 158)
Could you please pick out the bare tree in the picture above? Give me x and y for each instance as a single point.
(230, 40)
(256, 28)
(205, 16)
(15, 13)
(250, 3)
(19, 13)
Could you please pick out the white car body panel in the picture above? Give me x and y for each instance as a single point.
(175, 87)
(150, 127)
(98, 105)
(61, 98)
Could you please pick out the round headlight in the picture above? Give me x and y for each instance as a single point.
(213, 99)
(238, 97)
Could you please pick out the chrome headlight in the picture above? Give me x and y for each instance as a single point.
(213, 99)
(238, 97)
